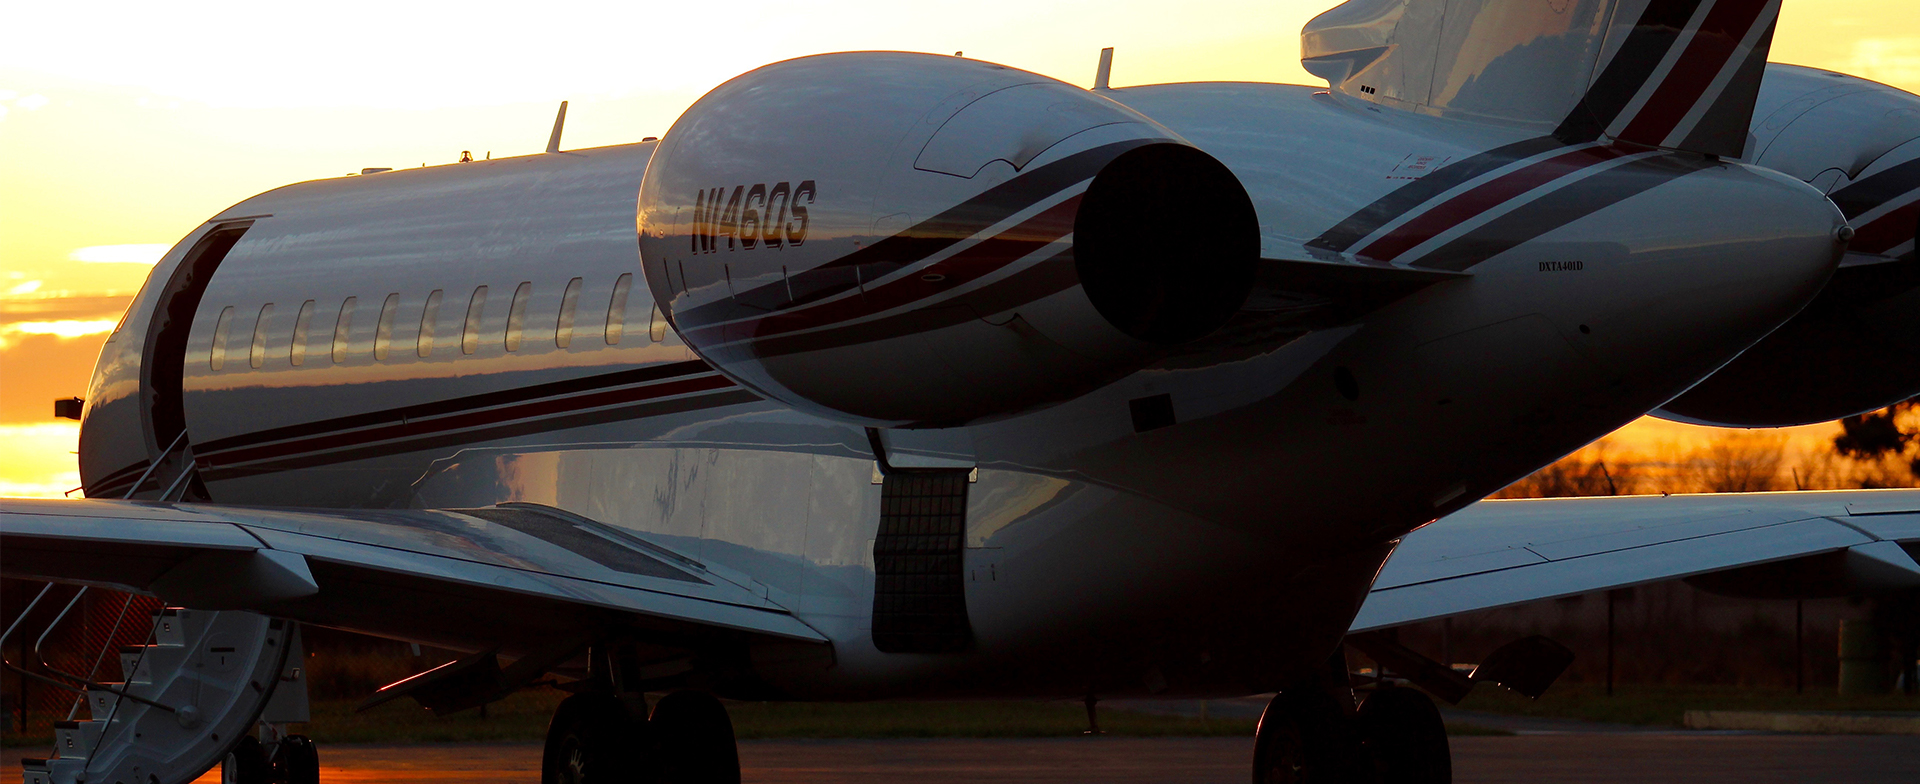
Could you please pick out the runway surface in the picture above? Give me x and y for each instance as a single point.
(1680, 757)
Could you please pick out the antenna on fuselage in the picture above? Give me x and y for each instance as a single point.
(1102, 76)
(559, 121)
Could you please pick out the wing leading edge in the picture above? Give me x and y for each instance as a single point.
(1502, 553)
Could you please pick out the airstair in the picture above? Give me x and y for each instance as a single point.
(185, 700)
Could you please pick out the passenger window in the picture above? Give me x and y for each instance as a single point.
(342, 326)
(657, 330)
(617, 309)
(470, 337)
(218, 358)
(383, 334)
(428, 317)
(569, 300)
(257, 355)
(297, 355)
(517, 315)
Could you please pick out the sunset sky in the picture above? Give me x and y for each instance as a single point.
(125, 125)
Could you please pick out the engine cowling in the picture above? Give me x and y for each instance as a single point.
(909, 240)
(1856, 347)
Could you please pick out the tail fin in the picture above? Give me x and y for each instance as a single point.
(1679, 74)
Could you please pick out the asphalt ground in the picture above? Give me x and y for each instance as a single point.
(1539, 756)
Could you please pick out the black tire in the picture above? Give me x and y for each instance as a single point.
(246, 763)
(593, 740)
(296, 761)
(692, 741)
(1305, 738)
(1405, 738)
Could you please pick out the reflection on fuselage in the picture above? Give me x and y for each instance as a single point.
(474, 328)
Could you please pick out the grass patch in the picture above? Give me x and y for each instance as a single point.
(1665, 705)
(523, 717)
(1460, 730)
(994, 719)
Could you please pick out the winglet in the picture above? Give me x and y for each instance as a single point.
(559, 121)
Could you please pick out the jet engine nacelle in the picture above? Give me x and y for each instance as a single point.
(1856, 347)
(910, 240)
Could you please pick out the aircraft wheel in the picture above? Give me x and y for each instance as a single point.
(1405, 738)
(592, 740)
(246, 763)
(693, 740)
(1304, 738)
(296, 761)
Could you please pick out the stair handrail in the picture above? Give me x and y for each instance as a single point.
(85, 684)
(151, 467)
(118, 620)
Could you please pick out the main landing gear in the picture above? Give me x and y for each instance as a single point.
(595, 738)
(1306, 737)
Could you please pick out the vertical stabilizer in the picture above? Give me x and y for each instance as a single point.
(1679, 74)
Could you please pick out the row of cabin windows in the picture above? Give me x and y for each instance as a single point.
(427, 340)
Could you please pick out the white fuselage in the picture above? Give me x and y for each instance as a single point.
(1217, 554)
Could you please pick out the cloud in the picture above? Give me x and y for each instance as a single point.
(148, 254)
(28, 287)
(65, 329)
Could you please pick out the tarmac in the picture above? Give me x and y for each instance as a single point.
(1541, 751)
(1542, 755)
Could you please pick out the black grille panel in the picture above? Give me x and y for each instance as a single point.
(919, 595)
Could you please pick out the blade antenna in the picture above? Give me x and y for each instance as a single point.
(1101, 77)
(559, 121)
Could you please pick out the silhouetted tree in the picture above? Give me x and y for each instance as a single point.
(1878, 436)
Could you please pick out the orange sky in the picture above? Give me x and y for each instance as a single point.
(125, 124)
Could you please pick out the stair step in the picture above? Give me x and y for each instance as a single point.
(100, 702)
(139, 662)
(170, 626)
(76, 739)
(47, 771)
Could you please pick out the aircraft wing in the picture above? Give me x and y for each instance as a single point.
(1501, 553)
(512, 575)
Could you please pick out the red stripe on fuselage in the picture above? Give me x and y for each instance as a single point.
(422, 427)
(1685, 85)
(1489, 195)
(1888, 231)
(975, 262)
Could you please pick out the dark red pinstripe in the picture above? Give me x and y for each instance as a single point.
(971, 264)
(417, 428)
(1889, 231)
(1713, 45)
(1488, 195)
